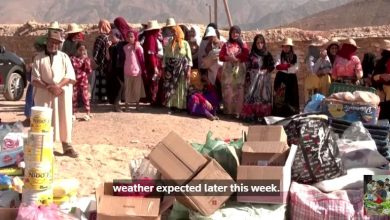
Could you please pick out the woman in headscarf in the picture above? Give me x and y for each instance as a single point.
(234, 54)
(177, 62)
(211, 59)
(202, 46)
(286, 98)
(153, 52)
(347, 67)
(368, 65)
(194, 41)
(116, 57)
(123, 27)
(258, 86)
(203, 101)
(319, 66)
(381, 80)
(332, 49)
(99, 79)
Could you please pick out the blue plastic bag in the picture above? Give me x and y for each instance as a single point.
(314, 105)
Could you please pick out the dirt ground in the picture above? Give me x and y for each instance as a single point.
(110, 140)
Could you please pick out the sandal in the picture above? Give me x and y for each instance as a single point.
(69, 151)
(86, 118)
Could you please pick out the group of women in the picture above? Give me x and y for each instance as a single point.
(174, 66)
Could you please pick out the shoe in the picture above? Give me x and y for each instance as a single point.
(74, 117)
(69, 151)
(86, 118)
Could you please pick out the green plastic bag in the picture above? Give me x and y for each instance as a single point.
(179, 212)
(235, 210)
(226, 154)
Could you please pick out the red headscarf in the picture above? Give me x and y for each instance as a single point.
(122, 25)
(347, 51)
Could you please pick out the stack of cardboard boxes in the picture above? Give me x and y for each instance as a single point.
(266, 159)
(179, 164)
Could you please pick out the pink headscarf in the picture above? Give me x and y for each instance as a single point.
(122, 25)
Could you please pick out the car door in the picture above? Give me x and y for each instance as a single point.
(5, 65)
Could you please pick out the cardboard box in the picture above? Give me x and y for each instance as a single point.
(266, 133)
(176, 160)
(208, 204)
(351, 112)
(263, 153)
(8, 213)
(111, 207)
(262, 175)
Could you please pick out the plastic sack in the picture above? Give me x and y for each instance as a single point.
(142, 168)
(234, 210)
(9, 199)
(5, 182)
(226, 154)
(358, 149)
(314, 105)
(178, 212)
(34, 212)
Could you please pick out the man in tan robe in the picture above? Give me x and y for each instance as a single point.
(53, 77)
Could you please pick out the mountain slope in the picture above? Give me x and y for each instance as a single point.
(358, 13)
(246, 13)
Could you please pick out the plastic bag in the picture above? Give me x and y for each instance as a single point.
(179, 212)
(226, 154)
(34, 212)
(142, 168)
(314, 105)
(358, 149)
(234, 210)
(357, 132)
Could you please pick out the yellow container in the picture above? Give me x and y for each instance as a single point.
(37, 197)
(60, 200)
(38, 176)
(41, 140)
(41, 119)
(37, 155)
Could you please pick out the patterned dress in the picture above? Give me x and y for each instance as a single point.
(82, 68)
(99, 83)
(177, 63)
(258, 97)
(233, 77)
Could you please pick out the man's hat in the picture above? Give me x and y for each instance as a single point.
(55, 35)
(73, 28)
(55, 26)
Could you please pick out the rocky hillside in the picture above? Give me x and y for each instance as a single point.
(357, 13)
(250, 14)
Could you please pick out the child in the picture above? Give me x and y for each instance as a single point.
(133, 69)
(40, 46)
(82, 66)
(380, 192)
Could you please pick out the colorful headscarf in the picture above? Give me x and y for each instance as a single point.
(196, 29)
(76, 36)
(178, 38)
(104, 26)
(239, 40)
(122, 26)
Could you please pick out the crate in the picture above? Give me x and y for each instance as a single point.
(342, 87)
